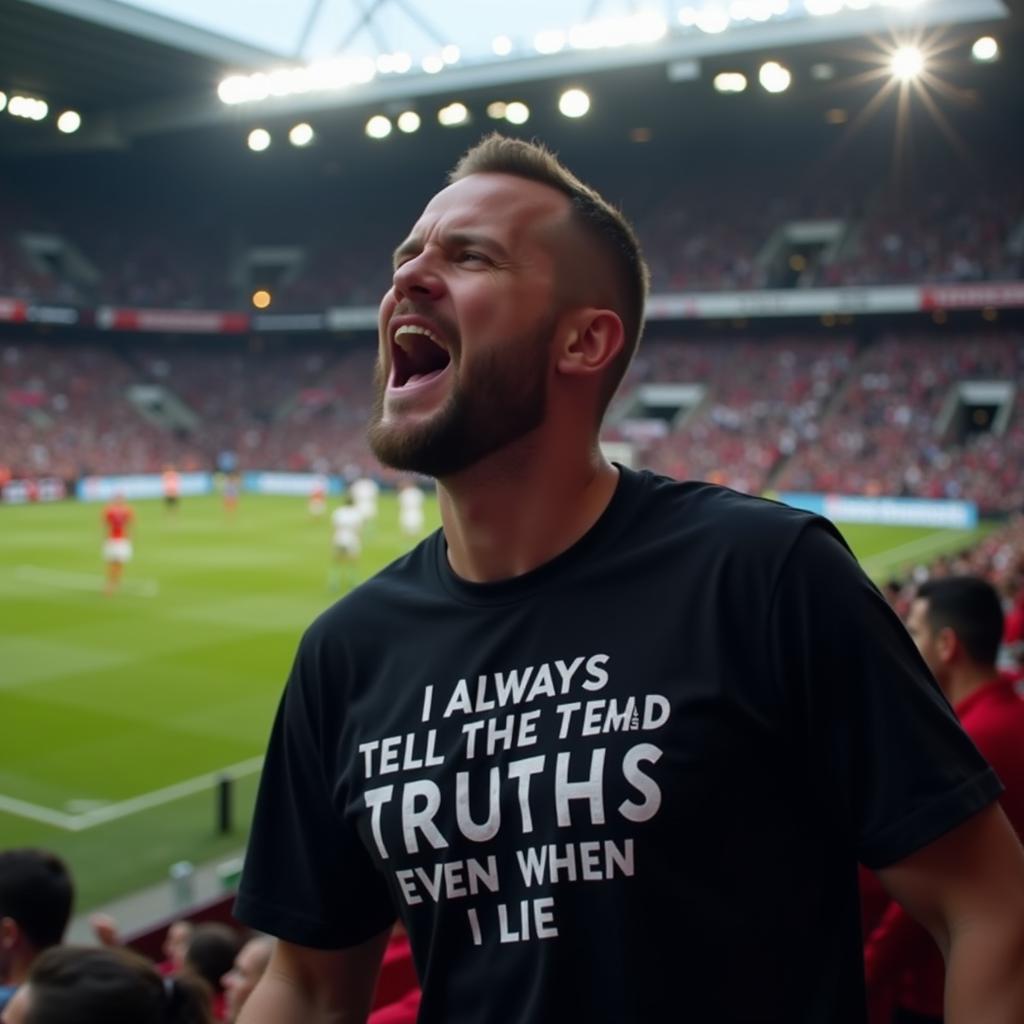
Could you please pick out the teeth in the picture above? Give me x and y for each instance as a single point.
(417, 329)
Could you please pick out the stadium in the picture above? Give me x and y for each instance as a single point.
(198, 207)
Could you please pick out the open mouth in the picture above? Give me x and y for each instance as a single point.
(417, 356)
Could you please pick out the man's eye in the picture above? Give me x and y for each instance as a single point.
(469, 256)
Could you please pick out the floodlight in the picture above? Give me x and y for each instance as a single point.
(648, 27)
(453, 114)
(234, 89)
(259, 86)
(3, 100)
(574, 103)
(408, 121)
(432, 63)
(501, 46)
(261, 298)
(497, 109)
(517, 113)
(712, 20)
(402, 63)
(985, 49)
(774, 77)
(450, 54)
(27, 107)
(301, 134)
(259, 139)
(378, 127)
(730, 81)
(70, 121)
(549, 41)
(907, 63)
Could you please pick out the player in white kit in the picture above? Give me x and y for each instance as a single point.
(410, 509)
(346, 526)
(364, 494)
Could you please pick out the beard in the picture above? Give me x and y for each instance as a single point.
(507, 401)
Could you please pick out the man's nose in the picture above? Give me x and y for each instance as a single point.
(418, 278)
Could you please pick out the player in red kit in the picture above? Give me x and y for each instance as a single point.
(117, 549)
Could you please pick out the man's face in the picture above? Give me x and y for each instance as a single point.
(466, 328)
(924, 636)
(239, 982)
(176, 943)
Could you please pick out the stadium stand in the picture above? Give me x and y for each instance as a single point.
(793, 413)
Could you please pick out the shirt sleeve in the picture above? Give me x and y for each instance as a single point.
(887, 761)
(307, 878)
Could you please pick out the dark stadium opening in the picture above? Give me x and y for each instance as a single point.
(979, 408)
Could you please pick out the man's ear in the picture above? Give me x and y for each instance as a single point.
(590, 341)
(947, 643)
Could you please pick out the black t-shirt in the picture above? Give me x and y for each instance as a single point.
(632, 785)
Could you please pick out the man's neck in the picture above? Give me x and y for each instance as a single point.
(969, 680)
(515, 511)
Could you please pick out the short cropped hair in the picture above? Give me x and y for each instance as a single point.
(36, 891)
(212, 949)
(970, 607)
(101, 985)
(599, 221)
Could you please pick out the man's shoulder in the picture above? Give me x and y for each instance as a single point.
(724, 514)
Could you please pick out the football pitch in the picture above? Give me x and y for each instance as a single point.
(120, 713)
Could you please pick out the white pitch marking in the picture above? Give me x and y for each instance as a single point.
(81, 580)
(921, 546)
(34, 812)
(145, 802)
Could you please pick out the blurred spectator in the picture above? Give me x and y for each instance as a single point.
(212, 948)
(102, 985)
(957, 624)
(248, 968)
(36, 895)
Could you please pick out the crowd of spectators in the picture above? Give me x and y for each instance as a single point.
(788, 413)
(761, 402)
(714, 233)
(889, 435)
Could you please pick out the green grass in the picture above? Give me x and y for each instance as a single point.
(104, 699)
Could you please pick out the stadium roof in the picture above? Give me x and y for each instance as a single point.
(136, 67)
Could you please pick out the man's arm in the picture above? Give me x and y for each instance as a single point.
(967, 889)
(315, 986)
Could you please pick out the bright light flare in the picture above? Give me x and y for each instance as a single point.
(452, 115)
(907, 63)
(69, 122)
(3, 100)
(301, 134)
(985, 49)
(501, 46)
(730, 81)
(28, 107)
(408, 121)
(259, 140)
(774, 77)
(378, 127)
(574, 103)
(261, 298)
(517, 113)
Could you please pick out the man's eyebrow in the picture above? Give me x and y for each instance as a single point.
(410, 247)
(413, 246)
